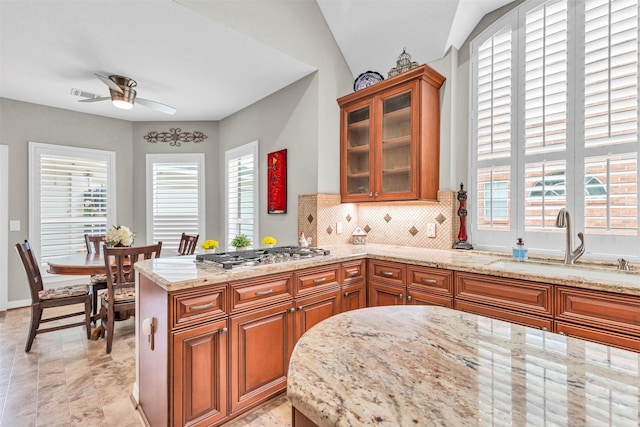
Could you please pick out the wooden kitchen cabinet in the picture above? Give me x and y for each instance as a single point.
(353, 280)
(387, 283)
(261, 342)
(429, 286)
(200, 374)
(314, 309)
(390, 139)
(517, 301)
(603, 317)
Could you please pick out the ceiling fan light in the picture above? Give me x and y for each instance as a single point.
(122, 104)
(123, 100)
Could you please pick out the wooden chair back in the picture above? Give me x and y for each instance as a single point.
(94, 243)
(32, 269)
(120, 261)
(188, 244)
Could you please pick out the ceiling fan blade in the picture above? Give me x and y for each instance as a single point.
(156, 105)
(112, 85)
(103, 98)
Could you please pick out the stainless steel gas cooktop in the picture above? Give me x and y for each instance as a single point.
(254, 257)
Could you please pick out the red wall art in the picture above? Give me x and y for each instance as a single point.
(277, 182)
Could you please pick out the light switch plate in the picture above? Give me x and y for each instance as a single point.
(338, 228)
(431, 229)
(14, 225)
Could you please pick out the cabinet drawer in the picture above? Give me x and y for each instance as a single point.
(590, 334)
(432, 280)
(507, 316)
(391, 273)
(316, 279)
(261, 291)
(423, 298)
(353, 272)
(199, 306)
(600, 309)
(531, 297)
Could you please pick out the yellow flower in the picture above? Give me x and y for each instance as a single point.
(209, 244)
(268, 240)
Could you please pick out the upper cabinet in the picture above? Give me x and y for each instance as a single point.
(390, 139)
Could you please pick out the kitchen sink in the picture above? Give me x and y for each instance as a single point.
(594, 272)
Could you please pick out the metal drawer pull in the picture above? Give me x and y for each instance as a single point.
(400, 296)
(202, 306)
(544, 328)
(292, 310)
(301, 308)
(386, 273)
(353, 273)
(408, 297)
(268, 291)
(425, 280)
(224, 330)
(346, 294)
(320, 280)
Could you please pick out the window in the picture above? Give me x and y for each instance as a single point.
(70, 195)
(242, 192)
(555, 115)
(175, 198)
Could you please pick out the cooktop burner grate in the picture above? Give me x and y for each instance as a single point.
(253, 257)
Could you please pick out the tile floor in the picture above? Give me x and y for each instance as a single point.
(67, 380)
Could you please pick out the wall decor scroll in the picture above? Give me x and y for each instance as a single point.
(175, 137)
(277, 182)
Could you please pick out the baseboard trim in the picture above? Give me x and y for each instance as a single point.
(18, 304)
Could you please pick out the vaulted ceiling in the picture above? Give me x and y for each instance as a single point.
(203, 68)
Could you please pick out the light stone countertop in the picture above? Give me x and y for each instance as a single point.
(176, 273)
(432, 366)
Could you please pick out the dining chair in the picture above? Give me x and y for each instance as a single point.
(118, 303)
(188, 244)
(97, 282)
(42, 299)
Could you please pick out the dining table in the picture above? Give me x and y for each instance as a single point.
(80, 264)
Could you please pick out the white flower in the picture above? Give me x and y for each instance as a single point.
(120, 235)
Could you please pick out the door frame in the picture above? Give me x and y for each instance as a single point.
(4, 221)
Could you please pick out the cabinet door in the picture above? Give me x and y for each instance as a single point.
(396, 152)
(314, 309)
(200, 375)
(380, 294)
(353, 297)
(261, 343)
(598, 335)
(356, 135)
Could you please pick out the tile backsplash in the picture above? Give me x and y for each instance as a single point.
(398, 223)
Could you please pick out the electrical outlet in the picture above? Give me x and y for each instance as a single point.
(431, 229)
(14, 225)
(338, 227)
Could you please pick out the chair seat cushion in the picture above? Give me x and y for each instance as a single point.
(99, 278)
(64, 292)
(122, 295)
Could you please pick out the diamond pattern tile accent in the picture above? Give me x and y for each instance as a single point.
(310, 218)
(348, 218)
(413, 231)
(440, 218)
(367, 228)
(329, 230)
(387, 218)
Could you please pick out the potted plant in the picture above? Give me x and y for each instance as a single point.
(240, 242)
(269, 241)
(209, 245)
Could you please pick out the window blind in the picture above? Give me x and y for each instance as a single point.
(241, 176)
(176, 204)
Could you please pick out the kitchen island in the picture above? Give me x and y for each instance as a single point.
(217, 342)
(432, 366)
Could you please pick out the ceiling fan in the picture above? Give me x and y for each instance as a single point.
(122, 94)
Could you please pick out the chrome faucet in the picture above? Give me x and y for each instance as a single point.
(563, 220)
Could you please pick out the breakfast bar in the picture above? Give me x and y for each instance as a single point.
(430, 366)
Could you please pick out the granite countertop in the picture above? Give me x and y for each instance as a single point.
(432, 366)
(176, 273)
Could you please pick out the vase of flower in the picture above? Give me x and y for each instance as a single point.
(119, 236)
(269, 242)
(209, 246)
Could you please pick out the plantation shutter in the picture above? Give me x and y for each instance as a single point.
(241, 175)
(177, 198)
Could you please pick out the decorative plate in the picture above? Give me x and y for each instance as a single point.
(367, 79)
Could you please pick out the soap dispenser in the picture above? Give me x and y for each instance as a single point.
(519, 251)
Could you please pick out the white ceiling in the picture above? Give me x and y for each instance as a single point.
(204, 69)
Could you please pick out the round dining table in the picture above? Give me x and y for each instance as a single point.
(81, 264)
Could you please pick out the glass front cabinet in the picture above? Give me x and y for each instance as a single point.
(390, 139)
